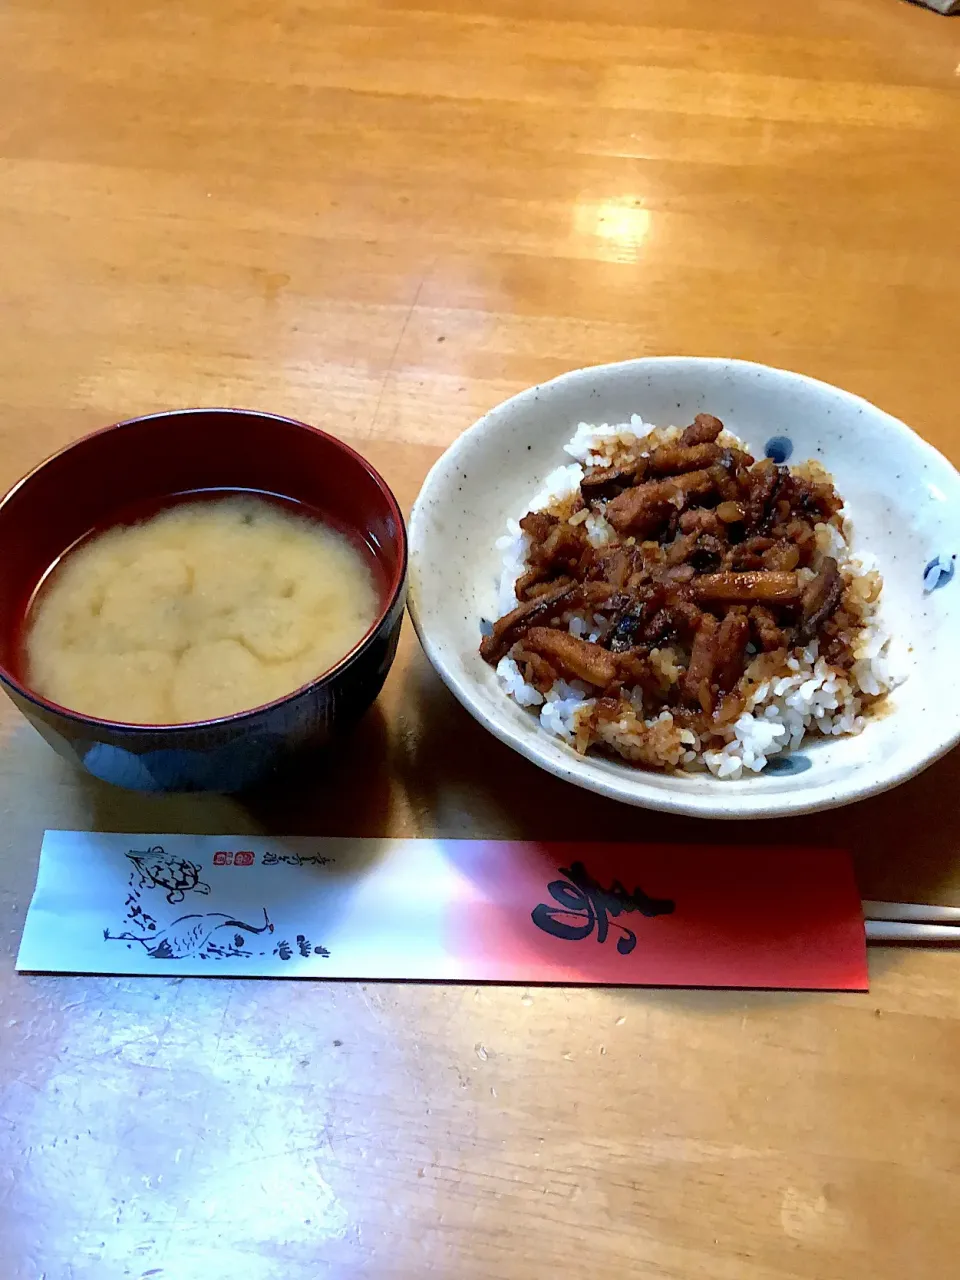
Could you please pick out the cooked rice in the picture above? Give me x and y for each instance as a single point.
(803, 697)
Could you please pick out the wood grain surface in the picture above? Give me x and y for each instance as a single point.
(384, 216)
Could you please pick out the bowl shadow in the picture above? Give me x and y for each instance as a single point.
(344, 789)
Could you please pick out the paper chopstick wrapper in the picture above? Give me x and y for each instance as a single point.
(465, 910)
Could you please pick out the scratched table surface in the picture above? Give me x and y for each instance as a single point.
(384, 216)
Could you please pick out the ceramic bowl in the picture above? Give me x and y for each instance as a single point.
(90, 483)
(903, 497)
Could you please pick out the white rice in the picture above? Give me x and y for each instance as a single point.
(812, 698)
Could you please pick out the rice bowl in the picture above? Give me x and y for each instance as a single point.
(904, 500)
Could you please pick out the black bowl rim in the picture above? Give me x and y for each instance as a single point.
(124, 727)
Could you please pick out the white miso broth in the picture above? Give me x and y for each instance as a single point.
(209, 607)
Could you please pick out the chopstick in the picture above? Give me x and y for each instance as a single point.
(911, 922)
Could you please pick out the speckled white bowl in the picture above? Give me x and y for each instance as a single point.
(903, 496)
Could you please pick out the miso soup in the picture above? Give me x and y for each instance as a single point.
(207, 608)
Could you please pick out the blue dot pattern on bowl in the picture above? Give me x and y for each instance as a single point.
(779, 448)
(793, 763)
(938, 572)
(229, 768)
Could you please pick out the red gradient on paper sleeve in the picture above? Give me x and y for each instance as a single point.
(742, 916)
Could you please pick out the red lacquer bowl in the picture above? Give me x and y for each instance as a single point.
(147, 461)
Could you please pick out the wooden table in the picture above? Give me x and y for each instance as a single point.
(384, 216)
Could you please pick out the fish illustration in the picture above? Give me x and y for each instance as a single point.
(188, 935)
(176, 875)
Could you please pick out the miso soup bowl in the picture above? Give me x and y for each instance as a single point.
(90, 484)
